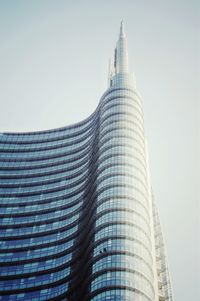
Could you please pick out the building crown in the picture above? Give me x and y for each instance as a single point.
(119, 67)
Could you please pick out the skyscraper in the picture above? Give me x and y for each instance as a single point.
(78, 216)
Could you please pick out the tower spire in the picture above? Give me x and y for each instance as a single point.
(120, 71)
(122, 52)
(122, 32)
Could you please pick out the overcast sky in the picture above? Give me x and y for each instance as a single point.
(53, 71)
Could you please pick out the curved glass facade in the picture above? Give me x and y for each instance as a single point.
(76, 213)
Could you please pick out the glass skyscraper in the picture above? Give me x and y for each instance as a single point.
(77, 213)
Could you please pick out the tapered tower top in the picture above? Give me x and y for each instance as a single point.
(120, 65)
(121, 52)
(122, 32)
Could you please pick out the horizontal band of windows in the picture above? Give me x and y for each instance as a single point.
(118, 189)
(126, 112)
(30, 192)
(118, 119)
(63, 174)
(120, 116)
(37, 230)
(120, 294)
(46, 163)
(115, 283)
(120, 92)
(142, 275)
(34, 180)
(122, 104)
(26, 192)
(121, 214)
(122, 159)
(123, 232)
(49, 135)
(55, 154)
(36, 268)
(123, 191)
(70, 152)
(122, 228)
(124, 138)
(45, 146)
(58, 249)
(115, 293)
(131, 238)
(123, 121)
(33, 282)
(125, 109)
(122, 185)
(124, 169)
(122, 126)
(88, 280)
(123, 260)
(52, 263)
(65, 178)
(127, 204)
(40, 230)
(39, 158)
(57, 191)
(114, 149)
(55, 134)
(47, 194)
(37, 186)
(51, 173)
(36, 254)
(124, 94)
(125, 228)
(123, 163)
(110, 141)
(39, 295)
(123, 277)
(27, 209)
(59, 158)
(58, 214)
(122, 245)
(50, 155)
(47, 205)
(44, 170)
(52, 168)
(51, 240)
(39, 241)
(121, 178)
(45, 239)
(129, 120)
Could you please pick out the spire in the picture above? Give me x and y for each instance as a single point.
(119, 72)
(122, 32)
(122, 52)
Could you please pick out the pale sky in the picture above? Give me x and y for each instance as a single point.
(53, 71)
